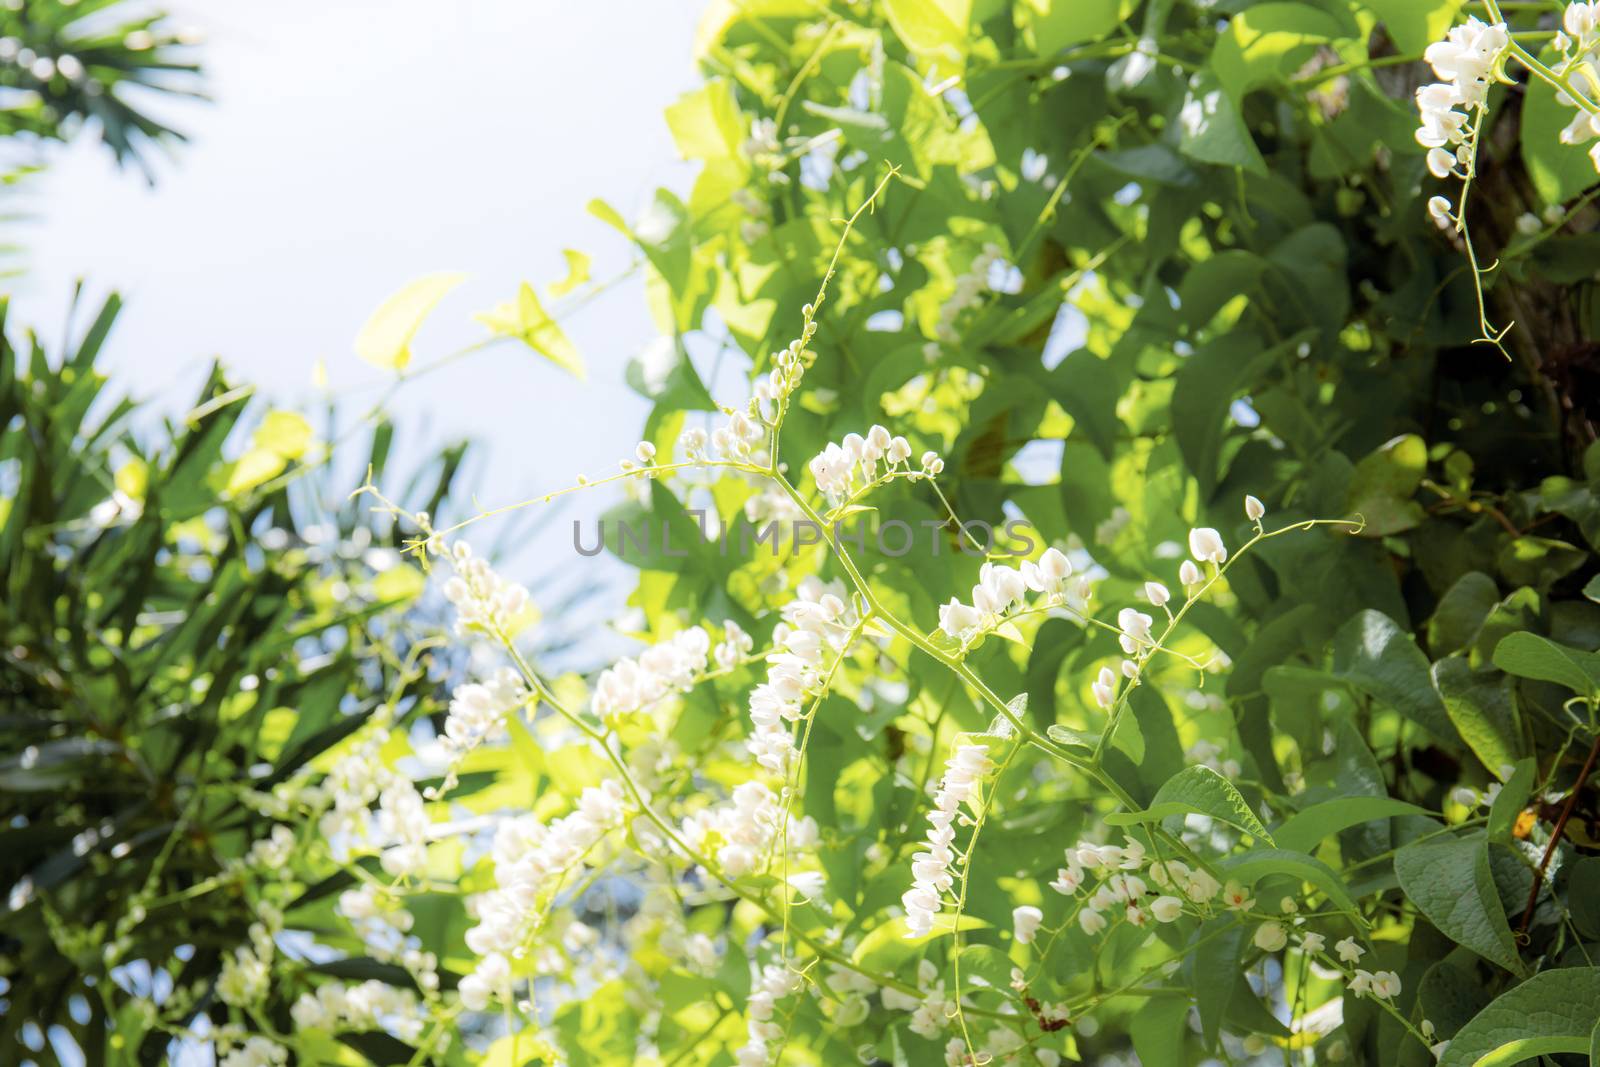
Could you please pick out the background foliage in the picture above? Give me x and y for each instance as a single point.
(1139, 260)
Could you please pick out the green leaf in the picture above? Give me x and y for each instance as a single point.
(706, 123)
(1065, 735)
(1376, 656)
(1209, 380)
(1558, 171)
(1450, 882)
(1383, 484)
(1553, 1011)
(1259, 863)
(1461, 612)
(1510, 801)
(1303, 831)
(934, 28)
(1583, 895)
(526, 320)
(887, 946)
(1268, 43)
(1219, 944)
(1415, 24)
(1059, 23)
(1201, 791)
(1528, 655)
(1483, 709)
(1212, 131)
(385, 340)
(1158, 1030)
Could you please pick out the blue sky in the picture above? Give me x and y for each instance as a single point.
(352, 146)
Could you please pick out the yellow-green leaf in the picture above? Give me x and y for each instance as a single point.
(577, 272)
(255, 467)
(132, 478)
(400, 582)
(526, 320)
(935, 28)
(284, 433)
(385, 340)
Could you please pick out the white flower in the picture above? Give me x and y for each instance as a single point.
(930, 870)
(257, 1051)
(745, 829)
(1135, 627)
(491, 978)
(932, 464)
(999, 587)
(1169, 873)
(816, 627)
(1312, 943)
(1202, 887)
(956, 618)
(1189, 574)
(1156, 593)
(735, 645)
(532, 859)
(1466, 56)
(1166, 908)
(645, 452)
(899, 450)
(693, 442)
(1254, 509)
(1381, 985)
(1049, 574)
(1348, 950)
(1091, 921)
(478, 711)
(1105, 688)
(1205, 545)
(1439, 208)
(1237, 897)
(1025, 922)
(483, 600)
(1068, 879)
(774, 982)
(1271, 936)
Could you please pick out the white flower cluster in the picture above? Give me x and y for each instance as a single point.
(1135, 627)
(815, 627)
(837, 467)
(478, 711)
(744, 436)
(1123, 893)
(930, 870)
(968, 292)
(774, 983)
(256, 1051)
(734, 646)
(247, 973)
(530, 858)
(371, 1005)
(400, 830)
(744, 830)
(1001, 588)
(634, 684)
(272, 852)
(932, 1010)
(1464, 62)
(484, 601)
(382, 922)
(1579, 45)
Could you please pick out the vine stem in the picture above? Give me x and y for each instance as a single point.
(1555, 836)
